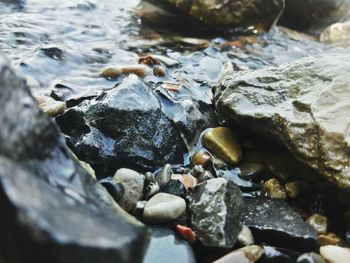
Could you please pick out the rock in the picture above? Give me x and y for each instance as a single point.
(165, 246)
(245, 237)
(273, 221)
(301, 14)
(186, 233)
(251, 171)
(217, 15)
(249, 254)
(329, 239)
(318, 222)
(132, 183)
(277, 254)
(163, 208)
(274, 189)
(46, 194)
(217, 207)
(50, 106)
(201, 158)
(175, 187)
(310, 257)
(164, 175)
(222, 142)
(336, 33)
(115, 189)
(334, 254)
(123, 127)
(113, 72)
(151, 189)
(300, 104)
(294, 188)
(159, 71)
(188, 180)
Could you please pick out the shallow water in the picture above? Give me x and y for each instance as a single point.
(64, 45)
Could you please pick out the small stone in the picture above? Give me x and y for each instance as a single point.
(336, 32)
(197, 171)
(116, 190)
(164, 175)
(310, 257)
(113, 72)
(201, 158)
(279, 255)
(159, 71)
(188, 180)
(222, 142)
(149, 177)
(245, 237)
(207, 175)
(133, 183)
(186, 233)
(335, 254)
(318, 222)
(151, 189)
(50, 106)
(274, 189)
(217, 207)
(163, 208)
(148, 60)
(175, 187)
(248, 254)
(140, 206)
(293, 189)
(251, 171)
(329, 239)
(169, 62)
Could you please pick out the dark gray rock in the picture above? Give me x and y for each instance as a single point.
(304, 14)
(129, 126)
(218, 15)
(279, 255)
(217, 209)
(165, 246)
(273, 221)
(175, 187)
(302, 105)
(115, 189)
(53, 210)
(310, 258)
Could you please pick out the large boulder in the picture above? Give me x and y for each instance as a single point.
(313, 14)
(303, 105)
(53, 210)
(224, 15)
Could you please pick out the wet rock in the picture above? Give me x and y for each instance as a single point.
(329, 239)
(201, 158)
(188, 180)
(216, 15)
(274, 189)
(301, 14)
(175, 187)
(318, 222)
(249, 254)
(310, 257)
(223, 143)
(334, 254)
(116, 190)
(50, 106)
(273, 221)
(245, 237)
(123, 127)
(251, 171)
(165, 246)
(336, 33)
(113, 72)
(294, 188)
(301, 105)
(163, 208)
(132, 183)
(164, 175)
(46, 194)
(186, 233)
(277, 255)
(151, 189)
(217, 207)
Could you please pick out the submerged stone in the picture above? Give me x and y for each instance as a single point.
(318, 222)
(217, 207)
(335, 254)
(249, 254)
(175, 187)
(274, 189)
(310, 257)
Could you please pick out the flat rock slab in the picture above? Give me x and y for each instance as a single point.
(273, 221)
(304, 105)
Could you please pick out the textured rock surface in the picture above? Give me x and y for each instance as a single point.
(166, 246)
(52, 209)
(273, 221)
(303, 104)
(217, 208)
(219, 14)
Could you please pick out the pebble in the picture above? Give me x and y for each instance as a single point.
(169, 62)
(133, 183)
(159, 71)
(329, 239)
(50, 106)
(201, 158)
(335, 254)
(223, 143)
(175, 187)
(249, 254)
(151, 189)
(116, 190)
(163, 208)
(318, 222)
(164, 175)
(294, 188)
(197, 171)
(186, 233)
(207, 175)
(310, 257)
(188, 180)
(274, 189)
(113, 72)
(251, 171)
(245, 237)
